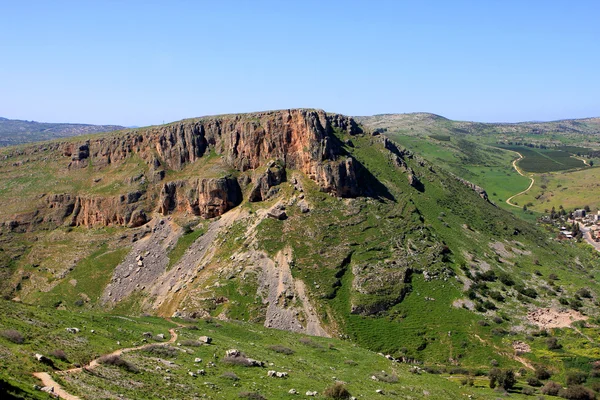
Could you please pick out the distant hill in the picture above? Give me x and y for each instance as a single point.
(14, 131)
(426, 123)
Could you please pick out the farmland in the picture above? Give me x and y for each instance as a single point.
(545, 160)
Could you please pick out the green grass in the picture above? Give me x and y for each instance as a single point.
(184, 242)
(315, 365)
(545, 160)
(87, 280)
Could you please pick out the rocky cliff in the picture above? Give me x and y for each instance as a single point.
(301, 140)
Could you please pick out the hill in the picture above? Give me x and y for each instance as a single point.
(302, 221)
(14, 131)
(550, 153)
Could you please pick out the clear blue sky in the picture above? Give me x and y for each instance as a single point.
(145, 62)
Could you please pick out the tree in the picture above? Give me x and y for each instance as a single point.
(591, 162)
(502, 378)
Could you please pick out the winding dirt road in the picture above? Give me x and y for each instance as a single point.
(514, 164)
(48, 381)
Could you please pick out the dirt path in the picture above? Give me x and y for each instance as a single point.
(514, 164)
(48, 381)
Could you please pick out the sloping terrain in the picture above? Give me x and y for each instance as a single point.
(297, 220)
(14, 131)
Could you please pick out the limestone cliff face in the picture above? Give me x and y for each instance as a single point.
(96, 211)
(207, 198)
(301, 140)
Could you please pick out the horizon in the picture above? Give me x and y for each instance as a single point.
(141, 63)
(328, 112)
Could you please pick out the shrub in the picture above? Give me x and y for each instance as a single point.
(542, 373)
(281, 349)
(533, 381)
(59, 354)
(497, 319)
(230, 375)
(483, 323)
(503, 378)
(489, 305)
(499, 332)
(191, 343)
(577, 392)
(162, 351)
(337, 391)
(551, 388)
(191, 327)
(584, 292)
(528, 391)
(553, 344)
(506, 279)
(576, 378)
(310, 343)
(117, 361)
(13, 335)
(385, 377)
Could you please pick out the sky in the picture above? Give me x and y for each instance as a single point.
(138, 63)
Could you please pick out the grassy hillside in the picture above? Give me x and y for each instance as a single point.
(311, 364)
(560, 150)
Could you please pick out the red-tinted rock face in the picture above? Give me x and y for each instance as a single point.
(302, 140)
(207, 198)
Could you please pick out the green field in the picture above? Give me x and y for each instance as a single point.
(545, 160)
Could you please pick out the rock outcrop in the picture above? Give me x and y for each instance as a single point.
(95, 211)
(301, 140)
(207, 198)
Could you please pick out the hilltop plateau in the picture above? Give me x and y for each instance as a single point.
(14, 131)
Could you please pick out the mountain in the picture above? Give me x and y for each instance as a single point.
(298, 220)
(14, 131)
(422, 123)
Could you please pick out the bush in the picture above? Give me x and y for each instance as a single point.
(483, 323)
(551, 388)
(506, 279)
(577, 392)
(542, 373)
(230, 375)
(533, 381)
(117, 361)
(385, 377)
(281, 349)
(528, 391)
(310, 343)
(192, 343)
(59, 354)
(584, 292)
(337, 391)
(13, 335)
(162, 351)
(502, 378)
(576, 378)
(553, 344)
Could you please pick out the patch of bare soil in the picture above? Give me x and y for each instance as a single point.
(547, 318)
(521, 347)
